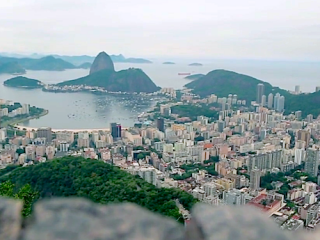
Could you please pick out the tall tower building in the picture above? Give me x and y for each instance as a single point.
(260, 92)
(160, 124)
(115, 130)
(280, 106)
(270, 100)
(317, 88)
(263, 100)
(255, 175)
(312, 161)
(297, 89)
(276, 101)
(45, 132)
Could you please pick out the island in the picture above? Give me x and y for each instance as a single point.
(195, 64)
(103, 75)
(23, 82)
(169, 63)
(14, 113)
(194, 76)
(11, 68)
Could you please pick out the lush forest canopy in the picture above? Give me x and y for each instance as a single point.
(98, 181)
(23, 82)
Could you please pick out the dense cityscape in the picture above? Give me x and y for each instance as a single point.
(249, 154)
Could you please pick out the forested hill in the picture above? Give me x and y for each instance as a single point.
(98, 181)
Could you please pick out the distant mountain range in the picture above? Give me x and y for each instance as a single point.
(77, 60)
(223, 82)
(48, 63)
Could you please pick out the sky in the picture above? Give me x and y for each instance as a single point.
(208, 29)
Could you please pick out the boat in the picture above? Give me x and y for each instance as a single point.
(184, 74)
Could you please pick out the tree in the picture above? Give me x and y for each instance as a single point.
(156, 140)
(140, 156)
(26, 194)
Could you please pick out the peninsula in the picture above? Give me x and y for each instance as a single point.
(169, 63)
(103, 75)
(194, 76)
(14, 113)
(23, 82)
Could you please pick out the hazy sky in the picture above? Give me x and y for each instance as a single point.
(272, 29)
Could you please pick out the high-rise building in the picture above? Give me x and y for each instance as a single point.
(280, 107)
(255, 175)
(45, 132)
(297, 89)
(221, 126)
(312, 161)
(298, 114)
(160, 124)
(263, 100)
(299, 155)
(309, 118)
(276, 101)
(317, 88)
(270, 100)
(116, 130)
(304, 135)
(260, 92)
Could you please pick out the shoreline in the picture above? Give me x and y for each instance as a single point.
(16, 122)
(90, 130)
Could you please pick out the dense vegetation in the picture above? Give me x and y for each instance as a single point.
(193, 111)
(23, 82)
(48, 63)
(223, 82)
(130, 80)
(11, 68)
(100, 182)
(208, 165)
(25, 193)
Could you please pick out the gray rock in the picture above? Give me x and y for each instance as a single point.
(101, 62)
(10, 218)
(79, 219)
(230, 223)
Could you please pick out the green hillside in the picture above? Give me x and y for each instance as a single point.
(130, 80)
(223, 82)
(98, 181)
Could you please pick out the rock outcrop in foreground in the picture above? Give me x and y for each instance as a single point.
(77, 219)
(101, 62)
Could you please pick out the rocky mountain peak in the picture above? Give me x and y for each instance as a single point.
(101, 62)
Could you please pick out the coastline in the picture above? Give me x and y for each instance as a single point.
(90, 130)
(17, 121)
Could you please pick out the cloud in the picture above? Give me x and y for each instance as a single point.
(219, 29)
